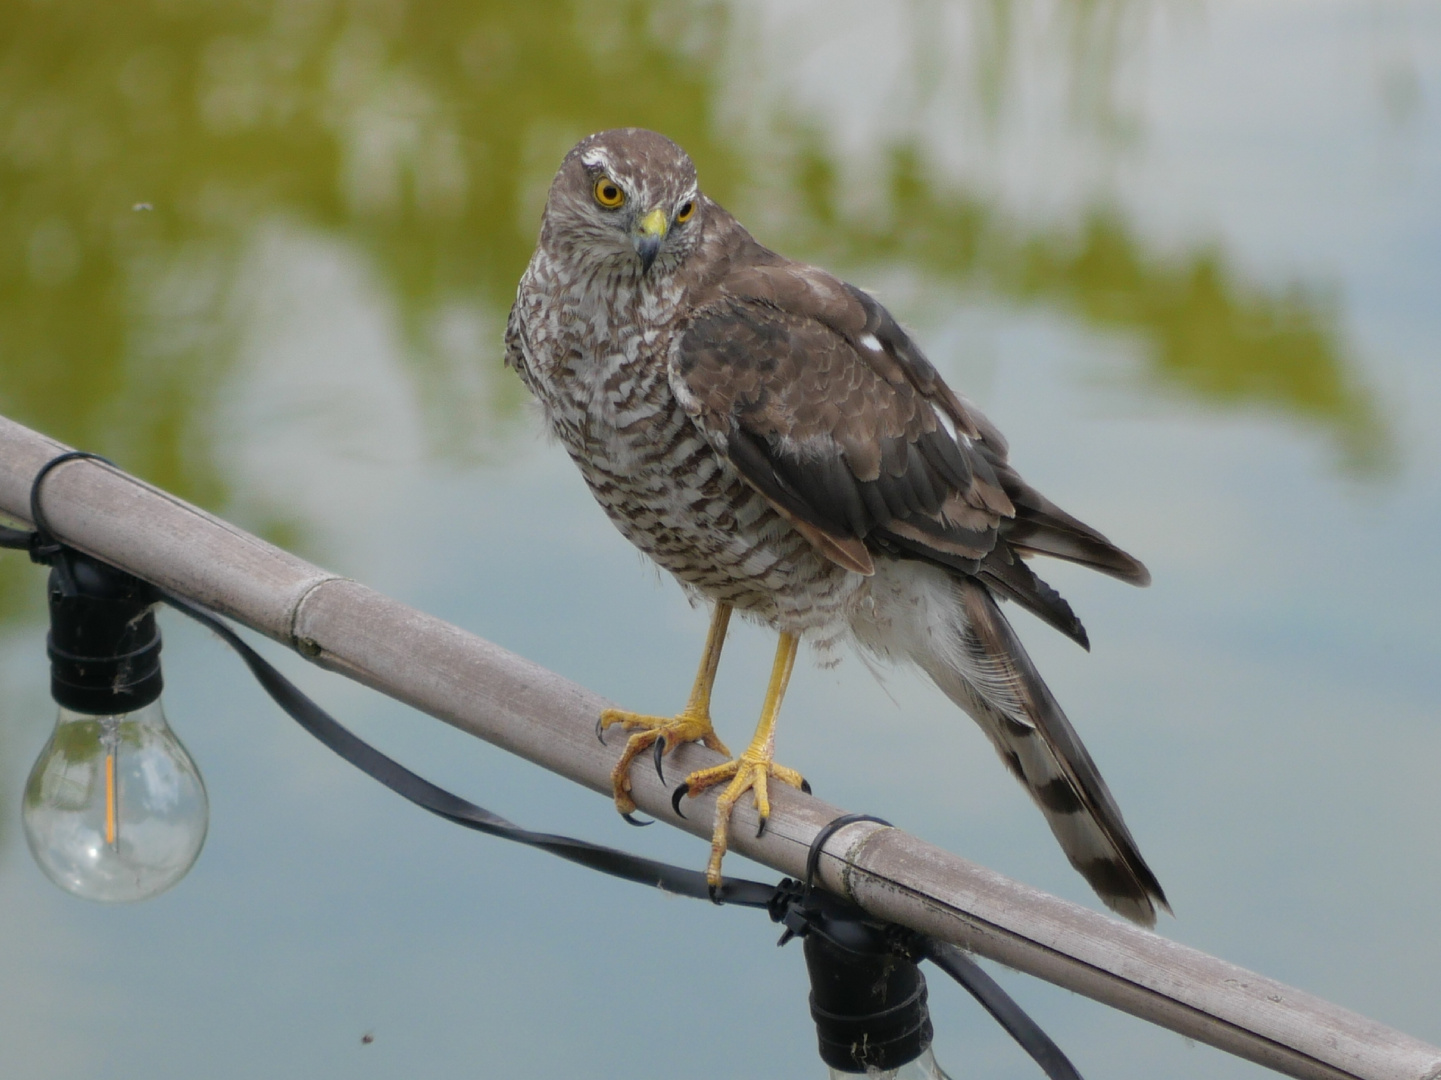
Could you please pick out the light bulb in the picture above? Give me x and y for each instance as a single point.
(924, 1067)
(115, 809)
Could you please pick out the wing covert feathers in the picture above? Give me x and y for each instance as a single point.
(831, 441)
(825, 405)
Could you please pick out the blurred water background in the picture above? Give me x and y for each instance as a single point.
(1186, 254)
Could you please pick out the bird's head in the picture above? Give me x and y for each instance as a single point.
(626, 196)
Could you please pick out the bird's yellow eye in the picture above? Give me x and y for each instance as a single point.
(608, 193)
(685, 213)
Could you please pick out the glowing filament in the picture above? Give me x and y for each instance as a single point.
(110, 799)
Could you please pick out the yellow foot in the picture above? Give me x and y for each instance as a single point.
(749, 772)
(662, 732)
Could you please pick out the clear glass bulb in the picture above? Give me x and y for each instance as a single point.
(924, 1067)
(115, 809)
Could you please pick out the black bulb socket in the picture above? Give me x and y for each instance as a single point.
(869, 1005)
(104, 644)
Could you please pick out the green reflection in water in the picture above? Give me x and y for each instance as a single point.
(1206, 330)
(142, 151)
(145, 149)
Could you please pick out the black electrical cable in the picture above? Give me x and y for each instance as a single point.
(1002, 1007)
(428, 796)
(796, 905)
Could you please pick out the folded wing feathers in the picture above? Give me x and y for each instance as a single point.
(877, 464)
(1012, 578)
(1043, 528)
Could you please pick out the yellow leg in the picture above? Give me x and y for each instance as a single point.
(691, 724)
(752, 770)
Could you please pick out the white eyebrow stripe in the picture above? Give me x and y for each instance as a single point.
(592, 158)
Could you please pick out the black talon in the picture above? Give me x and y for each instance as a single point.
(715, 895)
(636, 821)
(600, 729)
(761, 828)
(676, 796)
(805, 785)
(659, 753)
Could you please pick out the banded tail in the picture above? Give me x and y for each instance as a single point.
(951, 627)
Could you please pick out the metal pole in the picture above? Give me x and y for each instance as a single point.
(503, 698)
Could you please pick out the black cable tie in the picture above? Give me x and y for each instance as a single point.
(800, 909)
(813, 856)
(43, 544)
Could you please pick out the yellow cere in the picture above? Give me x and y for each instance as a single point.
(654, 223)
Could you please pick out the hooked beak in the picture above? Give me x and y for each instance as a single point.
(650, 233)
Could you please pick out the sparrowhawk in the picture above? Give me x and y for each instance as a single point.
(773, 438)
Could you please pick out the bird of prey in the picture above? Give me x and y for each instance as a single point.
(773, 438)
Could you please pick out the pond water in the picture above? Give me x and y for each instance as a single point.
(1185, 254)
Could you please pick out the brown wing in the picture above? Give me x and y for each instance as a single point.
(824, 404)
(1038, 526)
